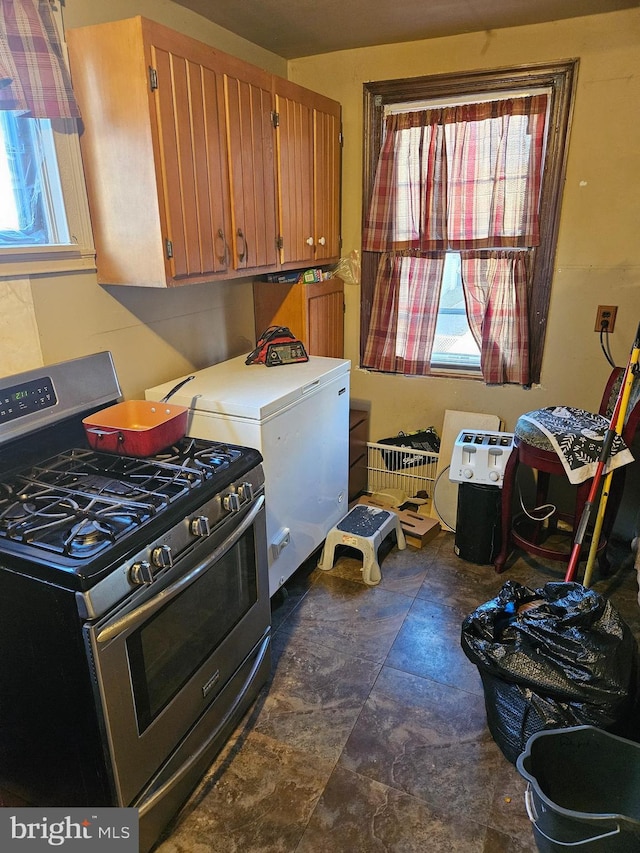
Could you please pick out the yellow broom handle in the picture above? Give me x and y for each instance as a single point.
(593, 550)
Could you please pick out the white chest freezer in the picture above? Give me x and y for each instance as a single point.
(297, 416)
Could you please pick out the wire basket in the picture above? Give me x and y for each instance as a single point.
(404, 468)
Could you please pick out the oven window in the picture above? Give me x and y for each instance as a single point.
(168, 649)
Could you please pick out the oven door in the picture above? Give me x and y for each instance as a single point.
(162, 660)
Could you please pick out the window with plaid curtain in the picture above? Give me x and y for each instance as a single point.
(463, 178)
(34, 79)
(38, 125)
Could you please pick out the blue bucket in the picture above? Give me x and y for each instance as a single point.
(583, 790)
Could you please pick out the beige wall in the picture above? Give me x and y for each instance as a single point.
(154, 335)
(598, 257)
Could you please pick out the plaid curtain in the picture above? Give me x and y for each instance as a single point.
(458, 178)
(404, 314)
(34, 78)
(408, 204)
(495, 290)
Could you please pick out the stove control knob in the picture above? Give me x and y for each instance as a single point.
(161, 557)
(231, 502)
(140, 573)
(246, 491)
(200, 526)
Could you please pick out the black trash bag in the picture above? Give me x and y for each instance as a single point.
(552, 658)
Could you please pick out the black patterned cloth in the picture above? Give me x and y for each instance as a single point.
(577, 437)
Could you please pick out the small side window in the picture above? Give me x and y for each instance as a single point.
(44, 214)
(32, 210)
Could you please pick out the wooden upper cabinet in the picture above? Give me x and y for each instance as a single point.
(154, 153)
(250, 140)
(308, 152)
(189, 111)
(186, 178)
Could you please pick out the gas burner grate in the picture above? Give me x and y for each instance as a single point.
(207, 458)
(76, 526)
(80, 502)
(167, 475)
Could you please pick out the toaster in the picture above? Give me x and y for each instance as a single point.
(480, 457)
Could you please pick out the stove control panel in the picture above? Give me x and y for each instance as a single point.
(16, 401)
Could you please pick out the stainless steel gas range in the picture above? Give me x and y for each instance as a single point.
(134, 602)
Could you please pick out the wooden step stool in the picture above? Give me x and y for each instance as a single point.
(363, 528)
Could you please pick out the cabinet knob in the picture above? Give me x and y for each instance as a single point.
(309, 241)
(322, 241)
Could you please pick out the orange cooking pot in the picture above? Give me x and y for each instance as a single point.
(138, 427)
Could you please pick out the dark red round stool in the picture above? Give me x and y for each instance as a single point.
(533, 449)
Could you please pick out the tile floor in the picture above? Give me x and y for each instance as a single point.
(371, 735)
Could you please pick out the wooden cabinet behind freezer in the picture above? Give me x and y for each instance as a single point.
(313, 312)
(179, 155)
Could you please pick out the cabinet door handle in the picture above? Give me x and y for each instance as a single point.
(309, 241)
(242, 254)
(322, 241)
(224, 257)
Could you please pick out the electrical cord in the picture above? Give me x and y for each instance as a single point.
(604, 334)
(550, 507)
(435, 503)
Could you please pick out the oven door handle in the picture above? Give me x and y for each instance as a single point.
(140, 614)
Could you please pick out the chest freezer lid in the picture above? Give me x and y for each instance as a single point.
(254, 392)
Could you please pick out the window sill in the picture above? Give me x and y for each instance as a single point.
(20, 262)
(436, 373)
(455, 373)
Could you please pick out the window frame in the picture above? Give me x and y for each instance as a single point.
(561, 78)
(79, 253)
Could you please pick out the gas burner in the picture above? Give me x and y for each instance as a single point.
(218, 456)
(88, 533)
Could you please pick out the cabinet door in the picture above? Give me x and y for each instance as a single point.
(325, 317)
(192, 164)
(294, 149)
(308, 165)
(250, 140)
(314, 313)
(327, 160)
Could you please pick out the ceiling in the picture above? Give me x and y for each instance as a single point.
(295, 28)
